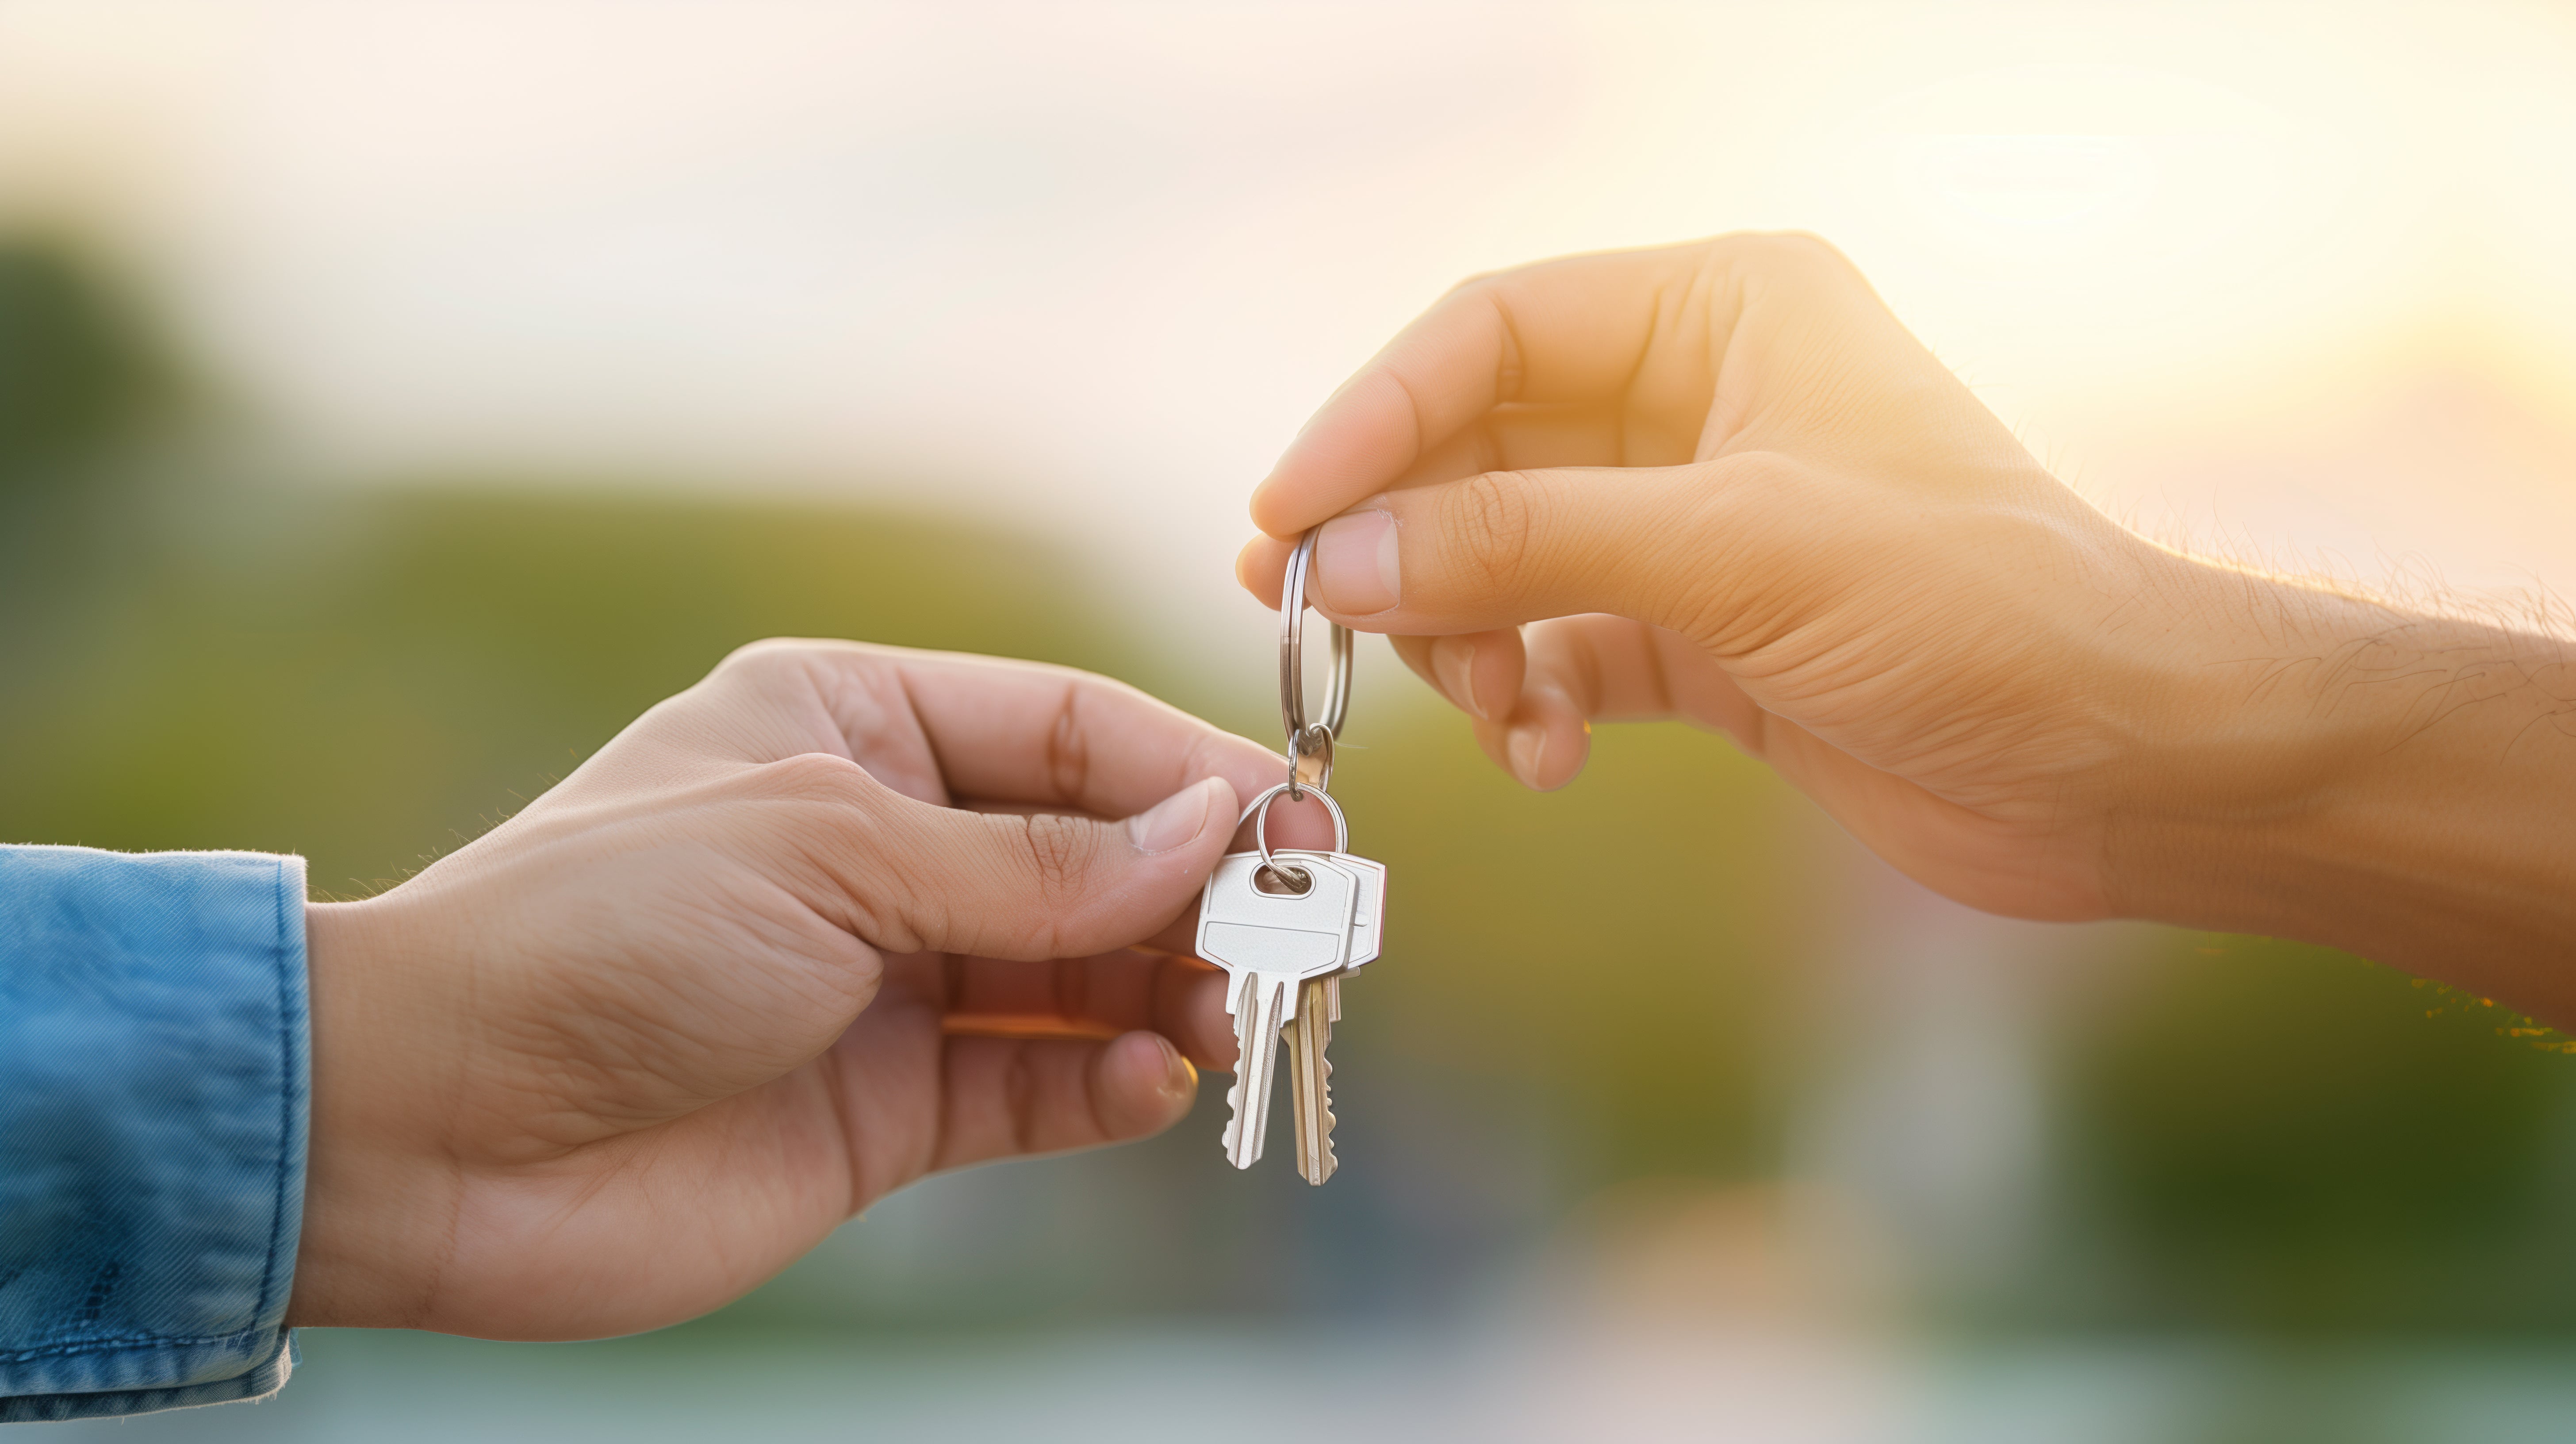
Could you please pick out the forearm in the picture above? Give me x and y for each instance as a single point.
(2395, 783)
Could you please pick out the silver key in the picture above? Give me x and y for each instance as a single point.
(1310, 1068)
(1269, 944)
(1310, 1073)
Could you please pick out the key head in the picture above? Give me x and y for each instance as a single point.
(1244, 929)
(1368, 905)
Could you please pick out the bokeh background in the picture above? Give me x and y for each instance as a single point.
(395, 397)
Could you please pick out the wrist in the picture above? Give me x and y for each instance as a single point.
(375, 1200)
(2341, 771)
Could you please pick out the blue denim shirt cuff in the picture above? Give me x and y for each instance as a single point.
(154, 1068)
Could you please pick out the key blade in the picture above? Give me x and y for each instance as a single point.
(1311, 1037)
(1261, 1002)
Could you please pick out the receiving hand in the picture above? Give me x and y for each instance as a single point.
(751, 967)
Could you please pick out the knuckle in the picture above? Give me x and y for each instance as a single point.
(1488, 520)
(1480, 281)
(823, 777)
(1743, 477)
(764, 667)
(1794, 256)
(775, 664)
(1734, 543)
(1803, 247)
(823, 817)
(753, 658)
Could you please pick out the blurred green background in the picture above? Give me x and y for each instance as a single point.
(1636, 989)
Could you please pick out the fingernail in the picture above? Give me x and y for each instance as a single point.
(1454, 662)
(1526, 744)
(1173, 821)
(1356, 571)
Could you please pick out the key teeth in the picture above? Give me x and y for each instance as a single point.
(1325, 1162)
(1329, 1161)
(1242, 1132)
(1234, 1127)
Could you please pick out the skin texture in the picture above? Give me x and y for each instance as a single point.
(837, 917)
(1720, 482)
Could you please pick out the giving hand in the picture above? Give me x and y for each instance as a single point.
(1724, 484)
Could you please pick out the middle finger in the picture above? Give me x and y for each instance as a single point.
(1096, 997)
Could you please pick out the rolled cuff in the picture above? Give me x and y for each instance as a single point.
(154, 1068)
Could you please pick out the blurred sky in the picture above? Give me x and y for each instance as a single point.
(2296, 279)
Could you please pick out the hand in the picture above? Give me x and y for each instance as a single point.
(1728, 486)
(750, 968)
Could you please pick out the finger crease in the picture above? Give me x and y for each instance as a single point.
(1658, 673)
(918, 733)
(1637, 368)
(1072, 988)
(1019, 1092)
(1091, 1091)
(1509, 375)
(853, 1156)
(1587, 676)
(1068, 750)
(1412, 408)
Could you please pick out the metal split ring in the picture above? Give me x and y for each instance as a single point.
(1258, 814)
(1315, 746)
(1302, 734)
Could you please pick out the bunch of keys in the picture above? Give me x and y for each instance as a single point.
(1288, 925)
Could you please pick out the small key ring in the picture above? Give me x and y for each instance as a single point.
(1258, 814)
(1292, 674)
(1315, 742)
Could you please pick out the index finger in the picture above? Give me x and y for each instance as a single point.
(1025, 732)
(1001, 730)
(952, 727)
(1572, 330)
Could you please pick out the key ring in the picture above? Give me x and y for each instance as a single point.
(1302, 741)
(1258, 814)
(1315, 743)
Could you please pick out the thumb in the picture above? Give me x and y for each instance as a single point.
(917, 877)
(1506, 547)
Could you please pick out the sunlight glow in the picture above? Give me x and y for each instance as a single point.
(1088, 267)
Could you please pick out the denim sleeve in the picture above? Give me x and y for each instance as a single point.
(153, 1072)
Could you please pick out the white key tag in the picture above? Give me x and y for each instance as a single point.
(1368, 907)
(1244, 928)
